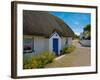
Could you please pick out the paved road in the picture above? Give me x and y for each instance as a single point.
(80, 57)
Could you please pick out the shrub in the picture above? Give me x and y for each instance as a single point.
(38, 61)
(30, 62)
(47, 57)
(68, 49)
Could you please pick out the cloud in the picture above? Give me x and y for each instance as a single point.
(77, 33)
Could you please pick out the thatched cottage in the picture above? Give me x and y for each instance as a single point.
(43, 31)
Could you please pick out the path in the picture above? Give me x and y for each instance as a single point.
(80, 57)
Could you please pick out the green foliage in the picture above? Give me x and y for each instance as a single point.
(87, 28)
(38, 61)
(87, 31)
(30, 63)
(46, 57)
(68, 49)
(76, 36)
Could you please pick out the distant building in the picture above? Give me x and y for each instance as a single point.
(85, 39)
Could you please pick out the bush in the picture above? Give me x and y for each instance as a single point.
(38, 61)
(68, 49)
(46, 57)
(30, 63)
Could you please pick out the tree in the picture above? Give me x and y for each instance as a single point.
(87, 28)
(87, 31)
(76, 36)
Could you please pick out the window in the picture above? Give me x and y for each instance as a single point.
(28, 45)
(66, 41)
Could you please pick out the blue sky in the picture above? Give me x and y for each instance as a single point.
(76, 21)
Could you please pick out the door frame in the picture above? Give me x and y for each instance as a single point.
(57, 47)
(55, 35)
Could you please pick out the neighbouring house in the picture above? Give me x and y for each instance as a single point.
(85, 36)
(43, 31)
(85, 40)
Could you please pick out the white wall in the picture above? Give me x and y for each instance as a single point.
(63, 41)
(69, 40)
(45, 44)
(40, 44)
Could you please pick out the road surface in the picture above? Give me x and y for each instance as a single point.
(79, 57)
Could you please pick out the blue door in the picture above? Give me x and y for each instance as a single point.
(55, 45)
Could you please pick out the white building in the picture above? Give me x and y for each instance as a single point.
(85, 40)
(44, 32)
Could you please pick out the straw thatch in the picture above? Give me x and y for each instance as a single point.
(44, 24)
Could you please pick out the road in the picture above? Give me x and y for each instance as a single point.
(79, 57)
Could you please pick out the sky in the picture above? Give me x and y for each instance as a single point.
(76, 21)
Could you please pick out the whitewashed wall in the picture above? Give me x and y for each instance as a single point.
(46, 44)
(63, 41)
(66, 41)
(69, 41)
(41, 44)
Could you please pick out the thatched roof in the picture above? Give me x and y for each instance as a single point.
(44, 24)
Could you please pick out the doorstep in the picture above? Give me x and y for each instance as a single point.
(59, 57)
